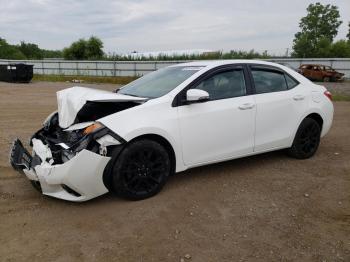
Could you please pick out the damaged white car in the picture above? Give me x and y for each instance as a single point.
(187, 115)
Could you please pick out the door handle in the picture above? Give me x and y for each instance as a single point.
(246, 106)
(298, 97)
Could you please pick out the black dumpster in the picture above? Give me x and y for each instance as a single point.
(16, 73)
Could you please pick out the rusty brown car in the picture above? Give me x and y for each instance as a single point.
(320, 73)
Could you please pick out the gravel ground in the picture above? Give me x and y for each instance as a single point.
(262, 208)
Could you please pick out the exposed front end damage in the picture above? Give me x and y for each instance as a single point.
(78, 179)
(69, 162)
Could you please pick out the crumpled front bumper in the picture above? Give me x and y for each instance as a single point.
(79, 179)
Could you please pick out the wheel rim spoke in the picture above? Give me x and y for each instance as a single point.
(309, 138)
(142, 172)
(154, 180)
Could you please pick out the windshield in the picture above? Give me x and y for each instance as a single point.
(159, 83)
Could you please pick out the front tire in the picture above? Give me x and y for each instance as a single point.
(307, 140)
(141, 170)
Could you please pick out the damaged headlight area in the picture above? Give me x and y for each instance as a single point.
(64, 144)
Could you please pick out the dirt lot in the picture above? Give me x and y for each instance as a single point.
(261, 208)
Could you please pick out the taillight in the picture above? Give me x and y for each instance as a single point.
(328, 94)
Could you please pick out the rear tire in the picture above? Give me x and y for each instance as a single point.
(307, 140)
(141, 170)
(326, 79)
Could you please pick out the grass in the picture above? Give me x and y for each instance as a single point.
(122, 80)
(341, 97)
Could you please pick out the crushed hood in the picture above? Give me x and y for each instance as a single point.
(71, 100)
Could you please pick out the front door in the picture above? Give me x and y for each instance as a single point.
(223, 127)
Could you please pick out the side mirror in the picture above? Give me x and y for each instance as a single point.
(196, 95)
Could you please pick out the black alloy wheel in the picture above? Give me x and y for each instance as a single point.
(306, 140)
(141, 170)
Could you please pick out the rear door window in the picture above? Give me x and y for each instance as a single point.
(267, 81)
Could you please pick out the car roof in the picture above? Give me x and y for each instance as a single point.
(213, 63)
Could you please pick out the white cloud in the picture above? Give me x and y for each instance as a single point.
(150, 25)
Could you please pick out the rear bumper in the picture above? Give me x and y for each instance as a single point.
(79, 179)
(328, 113)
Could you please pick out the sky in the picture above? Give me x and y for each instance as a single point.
(154, 25)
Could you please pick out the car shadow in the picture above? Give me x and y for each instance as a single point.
(235, 164)
(213, 171)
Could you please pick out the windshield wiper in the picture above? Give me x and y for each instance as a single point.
(130, 95)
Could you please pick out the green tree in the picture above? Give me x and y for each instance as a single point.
(318, 27)
(301, 46)
(8, 51)
(52, 53)
(348, 35)
(31, 51)
(322, 48)
(340, 48)
(84, 49)
(76, 51)
(94, 48)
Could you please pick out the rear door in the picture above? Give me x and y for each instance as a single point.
(281, 101)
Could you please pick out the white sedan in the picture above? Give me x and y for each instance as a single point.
(131, 140)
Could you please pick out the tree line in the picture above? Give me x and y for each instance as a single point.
(25, 51)
(318, 30)
(92, 49)
(79, 50)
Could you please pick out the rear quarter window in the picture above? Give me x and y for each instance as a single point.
(291, 83)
